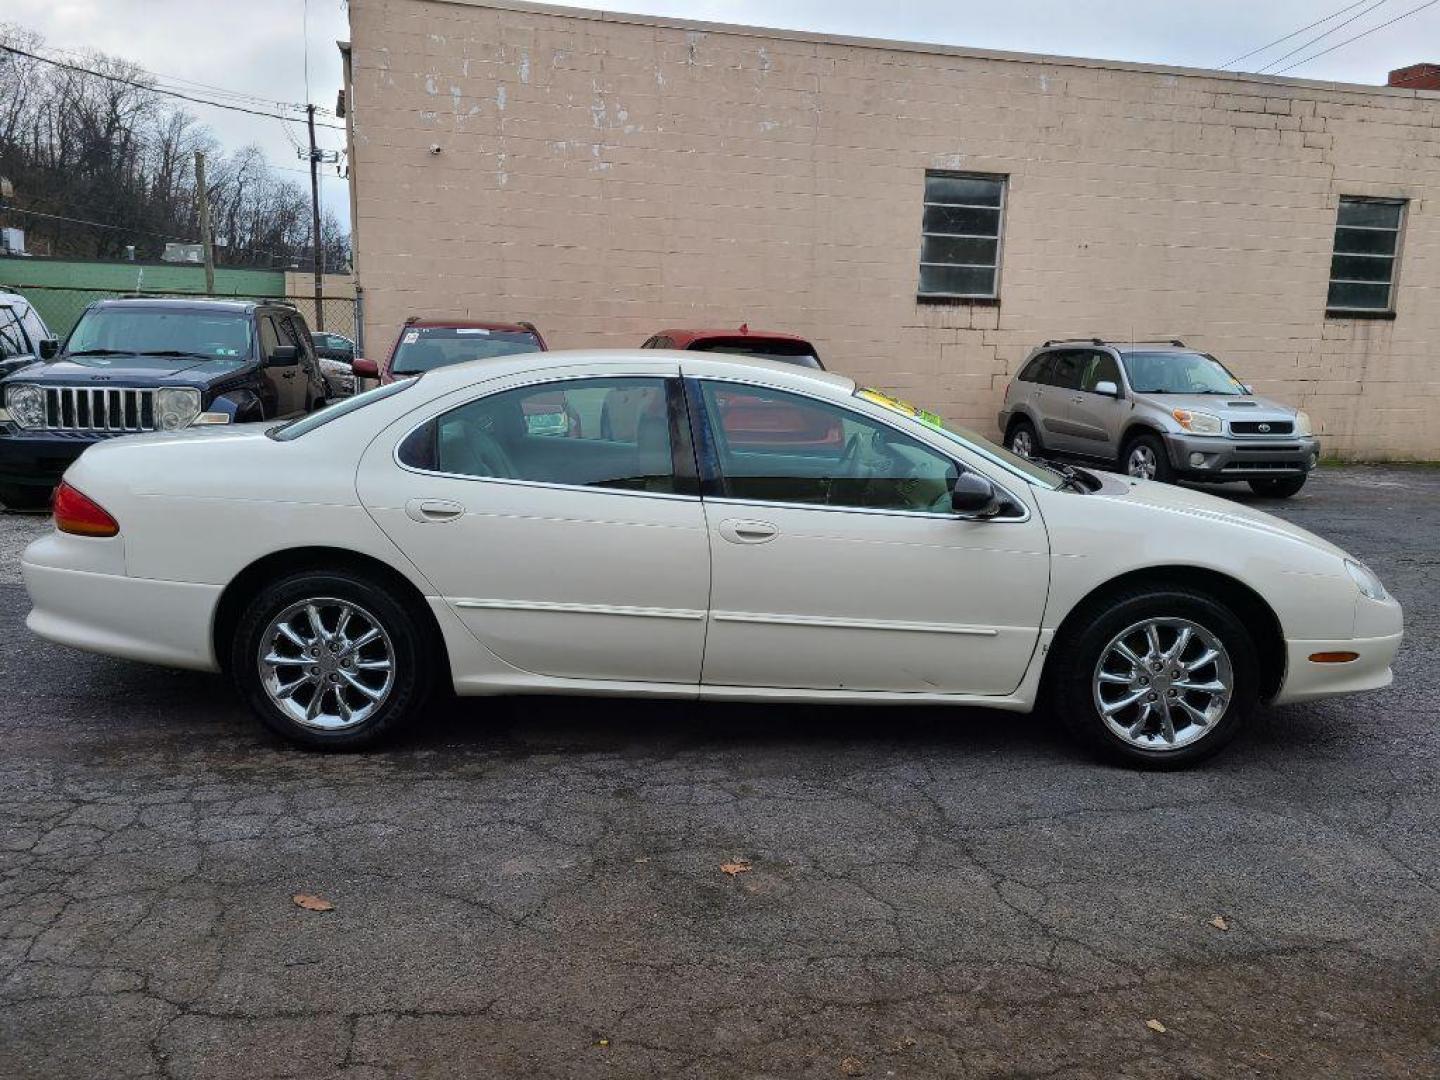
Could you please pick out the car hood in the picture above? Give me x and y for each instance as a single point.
(131, 370)
(1170, 498)
(1241, 407)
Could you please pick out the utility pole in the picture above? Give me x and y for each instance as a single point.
(315, 220)
(206, 241)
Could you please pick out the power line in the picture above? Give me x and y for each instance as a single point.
(96, 224)
(1357, 37)
(1322, 36)
(158, 90)
(1293, 33)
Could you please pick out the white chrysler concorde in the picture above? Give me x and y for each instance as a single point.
(689, 525)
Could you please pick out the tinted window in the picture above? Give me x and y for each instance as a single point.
(781, 447)
(424, 348)
(12, 337)
(1036, 370)
(33, 327)
(269, 336)
(610, 433)
(1099, 367)
(1069, 366)
(801, 353)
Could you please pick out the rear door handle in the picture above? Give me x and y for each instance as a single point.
(431, 510)
(748, 532)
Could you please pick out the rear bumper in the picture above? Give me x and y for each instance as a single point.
(1241, 459)
(97, 611)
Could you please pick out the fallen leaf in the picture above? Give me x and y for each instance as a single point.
(312, 903)
(739, 866)
(852, 1066)
(1156, 1025)
(602, 1042)
(1219, 923)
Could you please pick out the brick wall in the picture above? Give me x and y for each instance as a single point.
(608, 176)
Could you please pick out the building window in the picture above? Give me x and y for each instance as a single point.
(960, 237)
(1367, 242)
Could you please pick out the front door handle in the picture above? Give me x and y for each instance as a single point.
(432, 510)
(748, 532)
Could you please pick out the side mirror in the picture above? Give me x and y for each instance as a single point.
(283, 356)
(974, 498)
(49, 348)
(1108, 388)
(365, 369)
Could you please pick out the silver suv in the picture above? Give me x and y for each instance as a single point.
(1158, 411)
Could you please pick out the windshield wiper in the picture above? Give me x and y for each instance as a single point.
(102, 352)
(1071, 476)
(175, 352)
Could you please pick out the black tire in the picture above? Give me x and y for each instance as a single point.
(1071, 691)
(24, 497)
(1278, 489)
(1025, 430)
(405, 636)
(1163, 471)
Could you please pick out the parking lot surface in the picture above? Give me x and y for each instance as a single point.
(535, 887)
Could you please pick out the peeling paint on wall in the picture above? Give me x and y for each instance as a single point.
(524, 67)
(501, 96)
(431, 86)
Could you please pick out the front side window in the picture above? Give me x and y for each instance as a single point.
(161, 332)
(960, 235)
(607, 433)
(424, 348)
(12, 336)
(774, 446)
(1367, 242)
(1098, 367)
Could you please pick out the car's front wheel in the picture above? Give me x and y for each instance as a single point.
(1145, 457)
(331, 660)
(1158, 678)
(1278, 489)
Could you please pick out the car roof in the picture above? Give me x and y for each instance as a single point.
(182, 303)
(442, 323)
(683, 338)
(573, 362)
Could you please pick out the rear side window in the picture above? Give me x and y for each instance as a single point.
(1037, 369)
(1068, 370)
(607, 433)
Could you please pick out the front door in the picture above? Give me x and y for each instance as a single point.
(1096, 419)
(837, 564)
(567, 553)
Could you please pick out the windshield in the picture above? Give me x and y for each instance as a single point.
(306, 424)
(800, 353)
(424, 348)
(971, 439)
(1179, 373)
(208, 335)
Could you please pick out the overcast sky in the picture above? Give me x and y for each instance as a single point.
(258, 46)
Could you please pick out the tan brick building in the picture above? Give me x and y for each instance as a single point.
(611, 175)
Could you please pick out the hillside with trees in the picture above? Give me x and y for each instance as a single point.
(117, 159)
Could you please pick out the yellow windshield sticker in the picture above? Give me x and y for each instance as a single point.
(904, 408)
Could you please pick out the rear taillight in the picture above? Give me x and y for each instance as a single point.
(75, 512)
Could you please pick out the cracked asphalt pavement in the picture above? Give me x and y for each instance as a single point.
(533, 887)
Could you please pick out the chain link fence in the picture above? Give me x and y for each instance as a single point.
(61, 306)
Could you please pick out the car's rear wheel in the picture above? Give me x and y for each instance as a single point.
(1023, 439)
(1144, 457)
(1278, 489)
(331, 660)
(1157, 678)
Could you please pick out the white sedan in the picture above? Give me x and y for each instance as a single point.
(735, 529)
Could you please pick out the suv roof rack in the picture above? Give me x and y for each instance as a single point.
(1069, 340)
(1100, 341)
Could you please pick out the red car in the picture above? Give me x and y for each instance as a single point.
(754, 420)
(425, 344)
(766, 344)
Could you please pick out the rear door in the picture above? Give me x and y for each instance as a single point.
(1059, 430)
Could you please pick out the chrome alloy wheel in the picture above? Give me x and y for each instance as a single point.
(1022, 444)
(1163, 683)
(1141, 462)
(327, 664)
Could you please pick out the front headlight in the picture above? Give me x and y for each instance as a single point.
(1302, 423)
(26, 404)
(1201, 423)
(1365, 580)
(176, 407)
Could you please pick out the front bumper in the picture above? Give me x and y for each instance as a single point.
(1379, 629)
(1222, 458)
(37, 459)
